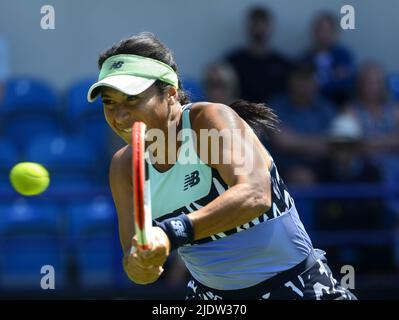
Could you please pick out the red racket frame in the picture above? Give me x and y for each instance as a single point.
(138, 179)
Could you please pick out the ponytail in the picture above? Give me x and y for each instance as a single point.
(259, 117)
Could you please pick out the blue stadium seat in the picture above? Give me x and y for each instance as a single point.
(30, 239)
(194, 88)
(96, 130)
(8, 154)
(26, 94)
(87, 119)
(70, 160)
(8, 158)
(4, 182)
(30, 109)
(94, 238)
(77, 104)
(25, 127)
(393, 84)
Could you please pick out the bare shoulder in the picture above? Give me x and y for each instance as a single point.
(209, 108)
(205, 115)
(120, 162)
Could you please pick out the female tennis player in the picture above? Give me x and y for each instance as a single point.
(238, 232)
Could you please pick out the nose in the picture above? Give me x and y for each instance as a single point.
(121, 115)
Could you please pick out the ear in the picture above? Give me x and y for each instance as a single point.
(172, 95)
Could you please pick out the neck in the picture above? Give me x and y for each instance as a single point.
(258, 49)
(318, 47)
(166, 148)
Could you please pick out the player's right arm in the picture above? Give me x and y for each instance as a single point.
(121, 187)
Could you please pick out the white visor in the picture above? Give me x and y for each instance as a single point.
(127, 84)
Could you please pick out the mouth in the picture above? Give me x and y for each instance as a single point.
(127, 130)
(123, 130)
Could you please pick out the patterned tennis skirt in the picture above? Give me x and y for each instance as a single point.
(312, 279)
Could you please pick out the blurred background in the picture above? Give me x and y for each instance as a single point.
(336, 92)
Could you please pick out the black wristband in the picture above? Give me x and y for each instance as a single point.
(179, 230)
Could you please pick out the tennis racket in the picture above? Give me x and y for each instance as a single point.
(141, 187)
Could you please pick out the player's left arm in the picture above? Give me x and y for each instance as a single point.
(249, 193)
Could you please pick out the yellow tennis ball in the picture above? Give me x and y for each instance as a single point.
(29, 178)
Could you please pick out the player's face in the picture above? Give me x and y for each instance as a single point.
(121, 110)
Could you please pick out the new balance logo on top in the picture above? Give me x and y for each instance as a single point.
(190, 180)
(117, 65)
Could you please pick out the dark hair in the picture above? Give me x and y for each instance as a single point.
(259, 116)
(328, 16)
(145, 44)
(260, 13)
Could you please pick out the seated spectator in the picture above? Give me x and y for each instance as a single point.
(333, 62)
(376, 113)
(262, 71)
(221, 84)
(346, 164)
(304, 116)
(378, 116)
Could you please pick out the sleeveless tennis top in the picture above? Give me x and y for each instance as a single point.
(237, 258)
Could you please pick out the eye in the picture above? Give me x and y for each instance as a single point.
(108, 104)
(132, 98)
(107, 101)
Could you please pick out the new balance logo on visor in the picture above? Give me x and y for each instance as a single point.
(190, 180)
(117, 65)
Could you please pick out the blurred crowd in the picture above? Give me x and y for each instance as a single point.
(339, 124)
(339, 118)
(335, 114)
